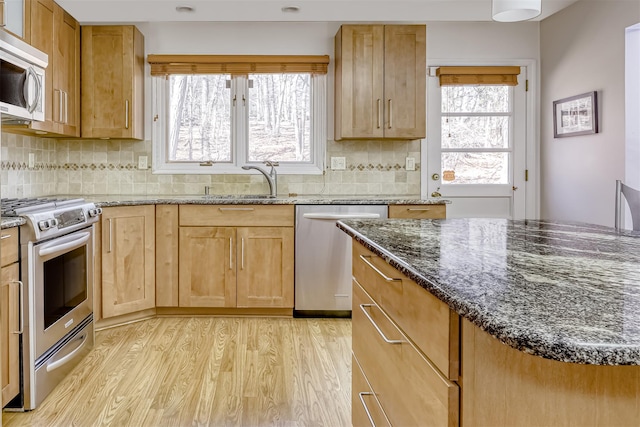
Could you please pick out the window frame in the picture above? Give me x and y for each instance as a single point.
(239, 125)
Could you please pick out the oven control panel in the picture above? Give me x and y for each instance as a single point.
(70, 217)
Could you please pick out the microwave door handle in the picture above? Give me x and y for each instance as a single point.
(63, 247)
(31, 74)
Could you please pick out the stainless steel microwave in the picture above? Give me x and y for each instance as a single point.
(22, 80)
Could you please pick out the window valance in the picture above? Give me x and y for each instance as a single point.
(237, 64)
(478, 75)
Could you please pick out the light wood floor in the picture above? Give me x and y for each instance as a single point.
(207, 372)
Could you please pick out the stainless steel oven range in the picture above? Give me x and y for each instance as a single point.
(56, 267)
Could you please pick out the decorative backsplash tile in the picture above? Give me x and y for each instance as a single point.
(110, 167)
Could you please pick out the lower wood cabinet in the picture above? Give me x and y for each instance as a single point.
(418, 211)
(10, 323)
(243, 267)
(128, 259)
(406, 345)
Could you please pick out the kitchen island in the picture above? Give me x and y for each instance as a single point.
(549, 330)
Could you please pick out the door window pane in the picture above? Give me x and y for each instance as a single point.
(475, 132)
(475, 99)
(280, 117)
(199, 118)
(475, 168)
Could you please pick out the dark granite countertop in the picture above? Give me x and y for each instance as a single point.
(11, 222)
(132, 200)
(562, 291)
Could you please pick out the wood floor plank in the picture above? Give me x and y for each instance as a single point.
(207, 372)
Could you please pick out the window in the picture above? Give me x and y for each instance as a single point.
(475, 134)
(207, 121)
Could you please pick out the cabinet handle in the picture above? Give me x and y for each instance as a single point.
(242, 253)
(390, 114)
(20, 307)
(374, 268)
(66, 107)
(379, 112)
(364, 405)
(110, 236)
(230, 253)
(59, 105)
(5, 236)
(126, 114)
(234, 209)
(364, 307)
(418, 209)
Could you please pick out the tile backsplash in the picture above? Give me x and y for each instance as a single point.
(84, 167)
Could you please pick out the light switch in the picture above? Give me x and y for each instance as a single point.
(338, 163)
(410, 164)
(32, 160)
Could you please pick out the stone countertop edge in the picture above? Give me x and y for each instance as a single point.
(11, 222)
(113, 201)
(530, 342)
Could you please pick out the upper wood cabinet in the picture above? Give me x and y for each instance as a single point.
(380, 82)
(112, 82)
(56, 33)
(128, 259)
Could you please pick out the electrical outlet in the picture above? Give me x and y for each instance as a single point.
(410, 164)
(338, 163)
(32, 160)
(142, 162)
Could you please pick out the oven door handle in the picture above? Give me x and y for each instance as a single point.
(62, 247)
(64, 360)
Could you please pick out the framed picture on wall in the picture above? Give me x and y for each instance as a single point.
(576, 115)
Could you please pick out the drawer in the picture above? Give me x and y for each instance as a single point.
(237, 215)
(410, 389)
(365, 408)
(10, 246)
(418, 211)
(432, 326)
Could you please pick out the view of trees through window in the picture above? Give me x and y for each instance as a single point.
(202, 110)
(199, 118)
(280, 117)
(475, 140)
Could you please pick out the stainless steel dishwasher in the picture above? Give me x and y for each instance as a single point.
(323, 258)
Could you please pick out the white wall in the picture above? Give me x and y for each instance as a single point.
(582, 50)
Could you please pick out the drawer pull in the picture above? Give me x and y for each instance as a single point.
(363, 307)
(364, 405)
(234, 209)
(418, 209)
(374, 268)
(5, 236)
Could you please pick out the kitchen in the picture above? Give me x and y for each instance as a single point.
(110, 167)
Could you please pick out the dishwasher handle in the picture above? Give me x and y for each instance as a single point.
(341, 216)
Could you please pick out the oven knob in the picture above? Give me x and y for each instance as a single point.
(53, 222)
(44, 225)
(95, 212)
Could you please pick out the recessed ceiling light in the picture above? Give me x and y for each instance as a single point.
(290, 9)
(184, 9)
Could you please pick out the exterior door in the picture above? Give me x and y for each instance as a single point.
(476, 148)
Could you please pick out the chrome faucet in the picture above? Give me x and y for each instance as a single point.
(272, 176)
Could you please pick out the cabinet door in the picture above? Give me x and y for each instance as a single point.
(359, 82)
(405, 81)
(112, 82)
(207, 270)
(265, 267)
(42, 38)
(128, 260)
(67, 73)
(10, 324)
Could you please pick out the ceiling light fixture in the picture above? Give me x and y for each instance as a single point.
(290, 9)
(515, 10)
(184, 9)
